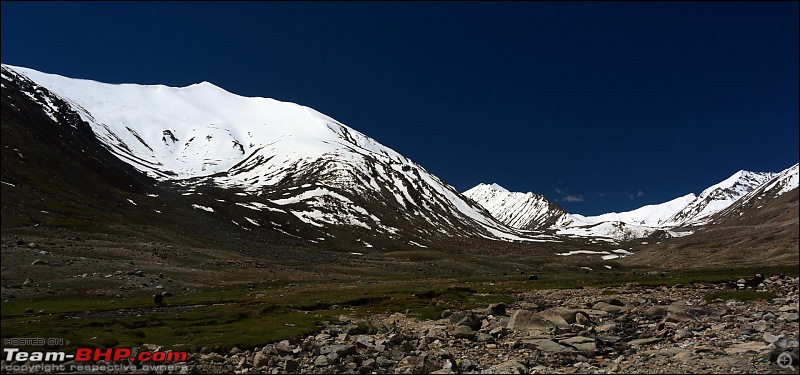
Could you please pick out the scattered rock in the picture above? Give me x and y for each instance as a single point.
(640, 330)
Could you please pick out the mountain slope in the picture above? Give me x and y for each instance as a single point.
(750, 207)
(527, 211)
(760, 228)
(49, 154)
(718, 197)
(55, 173)
(285, 158)
(650, 215)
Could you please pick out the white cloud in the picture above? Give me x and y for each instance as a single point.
(567, 197)
(635, 195)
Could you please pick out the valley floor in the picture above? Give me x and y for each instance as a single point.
(691, 328)
(508, 309)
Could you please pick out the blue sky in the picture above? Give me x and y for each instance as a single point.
(599, 106)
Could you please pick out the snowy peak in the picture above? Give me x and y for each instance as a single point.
(719, 196)
(498, 187)
(196, 130)
(650, 215)
(292, 160)
(782, 183)
(527, 211)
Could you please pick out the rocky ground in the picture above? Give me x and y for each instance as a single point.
(628, 329)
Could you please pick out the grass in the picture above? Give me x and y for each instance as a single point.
(283, 309)
(234, 318)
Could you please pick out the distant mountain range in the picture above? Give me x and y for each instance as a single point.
(275, 172)
(533, 212)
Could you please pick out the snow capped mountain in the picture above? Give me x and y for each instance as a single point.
(289, 158)
(780, 184)
(718, 197)
(520, 210)
(650, 215)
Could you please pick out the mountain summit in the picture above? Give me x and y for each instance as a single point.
(520, 210)
(287, 159)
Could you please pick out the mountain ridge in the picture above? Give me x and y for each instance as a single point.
(686, 211)
(298, 161)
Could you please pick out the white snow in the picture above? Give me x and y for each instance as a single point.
(650, 215)
(674, 233)
(574, 252)
(622, 251)
(521, 209)
(258, 206)
(518, 210)
(604, 255)
(784, 182)
(187, 133)
(204, 208)
(214, 129)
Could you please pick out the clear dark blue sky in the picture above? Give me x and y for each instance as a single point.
(598, 106)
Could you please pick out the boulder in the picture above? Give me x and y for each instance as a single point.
(509, 367)
(561, 317)
(463, 332)
(260, 359)
(466, 318)
(585, 345)
(496, 309)
(530, 323)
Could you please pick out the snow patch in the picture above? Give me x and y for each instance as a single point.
(204, 208)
